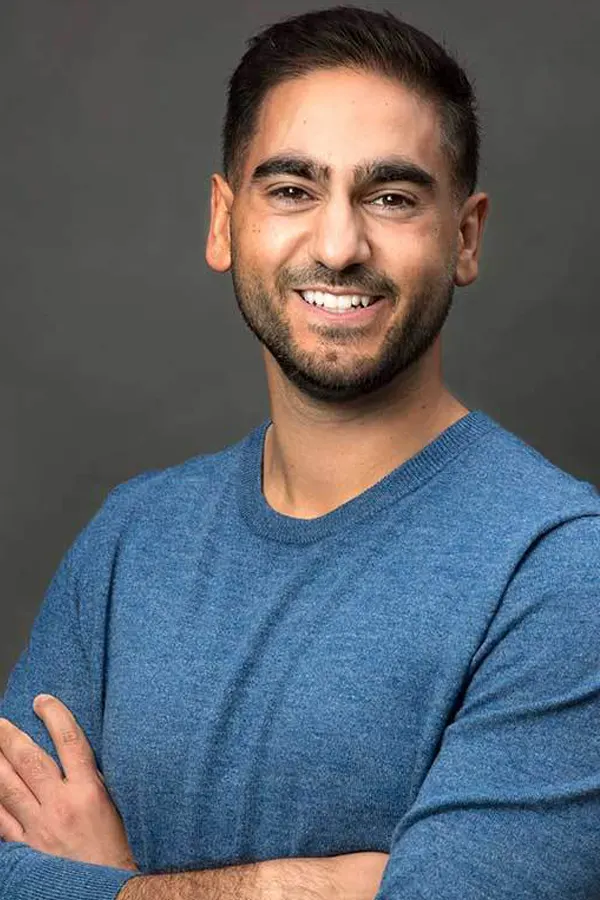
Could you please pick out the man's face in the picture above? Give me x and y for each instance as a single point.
(345, 186)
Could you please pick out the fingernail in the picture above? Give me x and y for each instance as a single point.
(41, 697)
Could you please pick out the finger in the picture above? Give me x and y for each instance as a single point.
(15, 796)
(36, 769)
(74, 751)
(10, 829)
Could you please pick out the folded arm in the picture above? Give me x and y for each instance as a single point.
(54, 662)
(355, 876)
(510, 807)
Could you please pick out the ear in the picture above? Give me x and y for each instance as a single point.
(472, 219)
(218, 242)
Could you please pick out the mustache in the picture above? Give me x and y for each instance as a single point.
(357, 278)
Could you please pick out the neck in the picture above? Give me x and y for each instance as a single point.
(318, 455)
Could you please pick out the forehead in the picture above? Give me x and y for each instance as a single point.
(340, 116)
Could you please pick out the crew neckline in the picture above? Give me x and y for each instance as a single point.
(401, 481)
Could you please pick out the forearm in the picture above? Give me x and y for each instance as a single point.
(352, 877)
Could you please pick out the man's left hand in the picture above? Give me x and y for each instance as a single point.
(71, 816)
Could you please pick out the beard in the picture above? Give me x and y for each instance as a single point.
(322, 375)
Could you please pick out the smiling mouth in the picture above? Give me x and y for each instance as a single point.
(338, 303)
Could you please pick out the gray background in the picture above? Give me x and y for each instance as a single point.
(121, 351)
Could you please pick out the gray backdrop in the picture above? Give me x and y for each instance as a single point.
(121, 351)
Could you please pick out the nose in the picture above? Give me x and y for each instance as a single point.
(339, 238)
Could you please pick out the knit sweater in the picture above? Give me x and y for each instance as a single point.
(416, 672)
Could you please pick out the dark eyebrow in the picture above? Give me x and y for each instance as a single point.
(366, 174)
(299, 166)
(395, 168)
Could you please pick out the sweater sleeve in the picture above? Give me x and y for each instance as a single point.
(510, 807)
(55, 662)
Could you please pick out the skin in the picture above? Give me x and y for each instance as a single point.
(359, 399)
(71, 815)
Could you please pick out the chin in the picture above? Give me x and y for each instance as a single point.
(336, 387)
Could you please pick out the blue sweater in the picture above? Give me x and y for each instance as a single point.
(416, 672)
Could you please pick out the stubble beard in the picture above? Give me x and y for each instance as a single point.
(320, 375)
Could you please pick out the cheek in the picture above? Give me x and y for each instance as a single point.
(263, 244)
(438, 249)
(417, 259)
(278, 237)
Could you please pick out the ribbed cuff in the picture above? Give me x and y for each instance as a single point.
(40, 876)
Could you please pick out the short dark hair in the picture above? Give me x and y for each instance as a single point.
(360, 39)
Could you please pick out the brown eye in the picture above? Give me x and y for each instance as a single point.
(289, 194)
(398, 201)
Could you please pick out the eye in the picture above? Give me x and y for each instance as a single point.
(399, 201)
(289, 194)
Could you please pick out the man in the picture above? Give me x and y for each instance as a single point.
(362, 643)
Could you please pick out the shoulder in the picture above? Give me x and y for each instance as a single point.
(152, 502)
(551, 602)
(509, 483)
(201, 475)
(563, 561)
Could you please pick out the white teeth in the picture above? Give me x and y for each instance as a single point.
(336, 301)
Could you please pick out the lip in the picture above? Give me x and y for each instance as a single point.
(360, 315)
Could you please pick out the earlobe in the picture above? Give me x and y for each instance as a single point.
(218, 243)
(470, 237)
